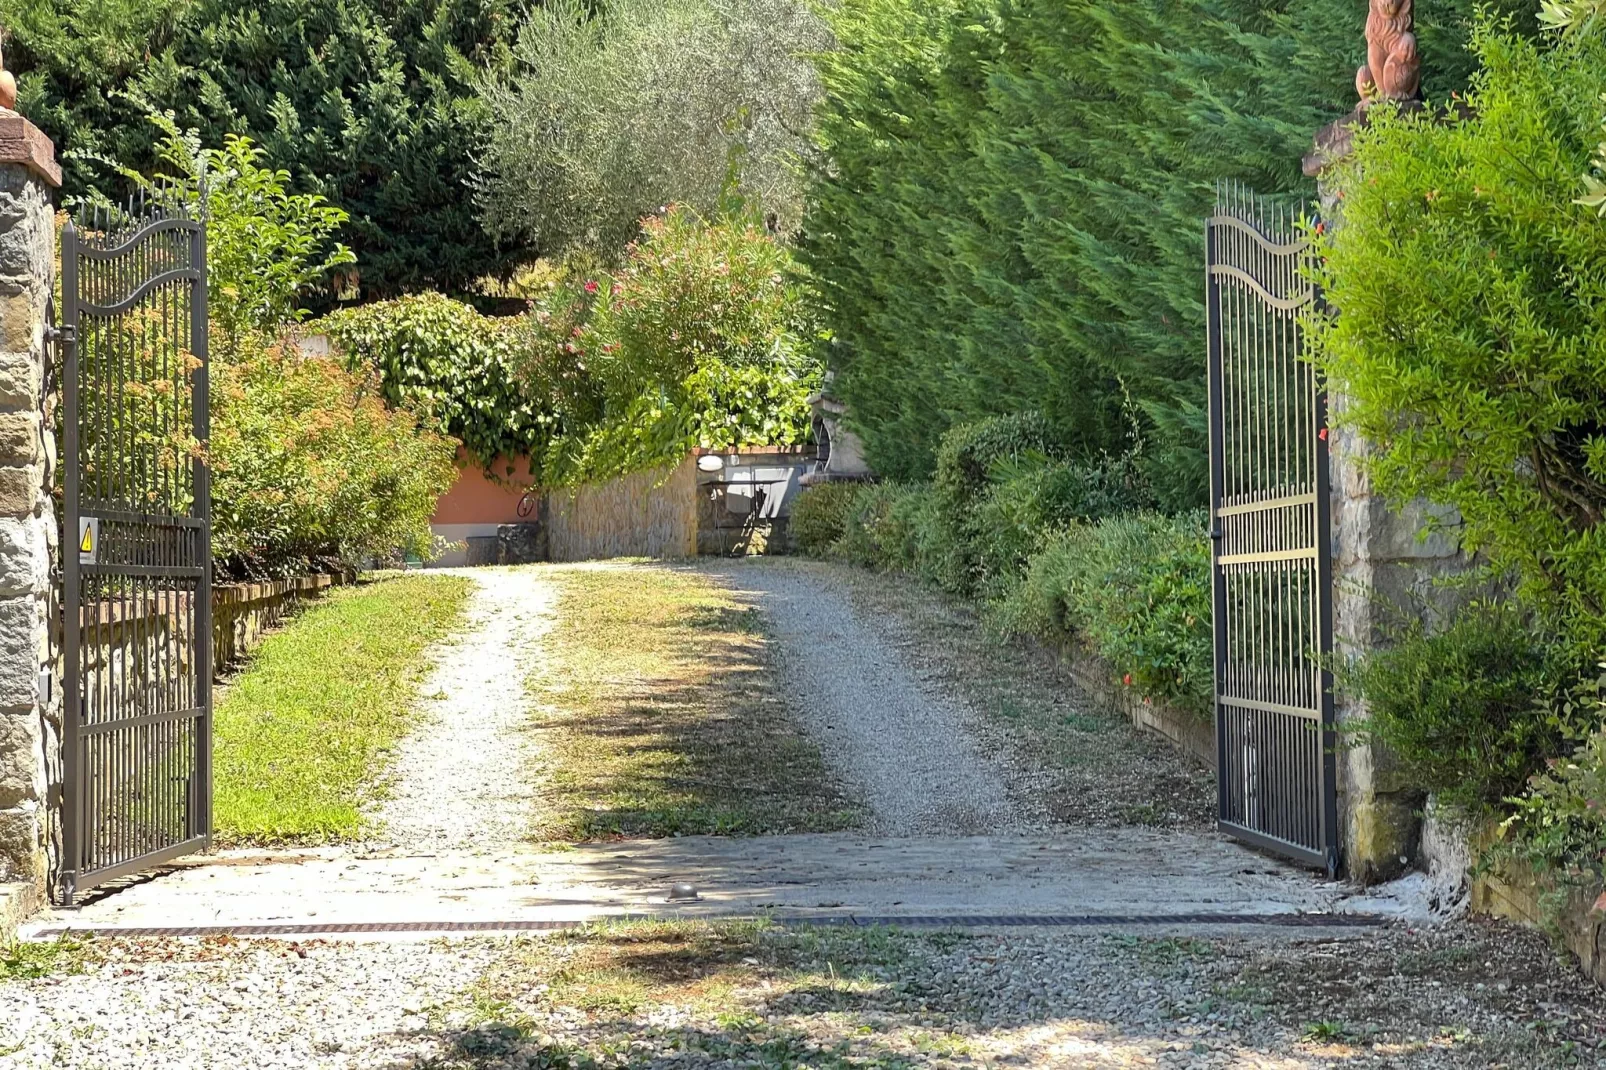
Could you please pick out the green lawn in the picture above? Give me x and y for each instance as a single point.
(304, 730)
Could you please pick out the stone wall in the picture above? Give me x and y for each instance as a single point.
(243, 613)
(29, 711)
(1194, 735)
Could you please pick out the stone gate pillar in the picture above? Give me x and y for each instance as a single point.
(29, 711)
(1384, 566)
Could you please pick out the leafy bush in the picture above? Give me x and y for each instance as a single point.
(700, 339)
(311, 467)
(1009, 218)
(265, 246)
(1030, 499)
(966, 458)
(1136, 590)
(1464, 709)
(371, 103)
(1559, 823)
(606, 116)
(820, 516)
(443, 358)
(885, 529)
(1471, 348)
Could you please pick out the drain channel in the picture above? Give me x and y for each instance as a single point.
(936, 921)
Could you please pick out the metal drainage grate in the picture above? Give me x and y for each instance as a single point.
(959, 921)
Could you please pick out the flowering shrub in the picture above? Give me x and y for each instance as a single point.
(311, 467)
(699, 339)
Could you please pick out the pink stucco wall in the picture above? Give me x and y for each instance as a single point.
(474, 499)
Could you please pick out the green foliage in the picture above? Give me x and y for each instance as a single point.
(303, 731)
(1464, 710)
(1471, 344)
(1028, 501)
(1136, 590)
(820, 516)
(266, 248)
(442, 357)
(966, 457)
(888, 528)
(699, 339)
(1558, 825)
(1054, 549)
(311, 467)
(612, 111)
(1009, 219)
(371, 103)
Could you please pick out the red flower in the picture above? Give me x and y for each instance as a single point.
(591, 286)
(1322, 434)
(1127, 679)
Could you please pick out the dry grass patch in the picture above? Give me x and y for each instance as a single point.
(650, 996)
(659, 715)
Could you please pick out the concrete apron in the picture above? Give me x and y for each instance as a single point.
(1121, 878)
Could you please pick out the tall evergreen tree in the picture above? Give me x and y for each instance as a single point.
(371, 103)
(1011, 218)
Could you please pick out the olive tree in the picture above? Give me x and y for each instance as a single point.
(610, 114)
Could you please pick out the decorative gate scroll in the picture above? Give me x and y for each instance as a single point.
(136, 553)
(1269, 526)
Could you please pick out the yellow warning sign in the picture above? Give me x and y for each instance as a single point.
(88, 539)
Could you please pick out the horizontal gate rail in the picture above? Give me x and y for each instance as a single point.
(1271, 572)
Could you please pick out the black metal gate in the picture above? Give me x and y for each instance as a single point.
(136, 575)
(1269, 517)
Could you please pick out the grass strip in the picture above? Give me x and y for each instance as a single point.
(660, 715)
(303, 732)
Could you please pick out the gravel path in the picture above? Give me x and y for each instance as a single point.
(905, 746)
(461, 779)
(1464, 996)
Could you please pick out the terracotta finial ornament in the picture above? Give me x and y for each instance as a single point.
(1393, 70)
(8, 87)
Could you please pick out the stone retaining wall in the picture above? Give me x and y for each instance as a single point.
(242, 613)
(1194, 735)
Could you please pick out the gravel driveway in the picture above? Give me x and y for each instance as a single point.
(905, 746)
(1464, 996)
(461, 779)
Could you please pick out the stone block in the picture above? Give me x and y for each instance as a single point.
(24, 555)
(20, 626)
(22, 326)
(1380, 836)
(21, 778)
(20, 490)
(21, 850)
(21, 377)
(20, 438)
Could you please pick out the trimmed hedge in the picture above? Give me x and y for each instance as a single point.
(1052, 549)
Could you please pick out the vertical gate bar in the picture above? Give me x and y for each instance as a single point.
(1218, 581)
(1327, 784)
(72, 688)
(202, 511)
